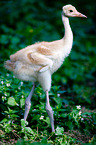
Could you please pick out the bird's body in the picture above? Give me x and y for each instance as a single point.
(28, 62)
(39, 61)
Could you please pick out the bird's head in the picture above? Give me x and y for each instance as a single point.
(70, 11)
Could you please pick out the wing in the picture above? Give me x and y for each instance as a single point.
(42, 58)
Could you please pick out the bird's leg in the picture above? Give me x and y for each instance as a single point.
(28, 103)
(49, 111)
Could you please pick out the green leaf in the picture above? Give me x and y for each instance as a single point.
(23, 123)
(29, 130)
(58, 100)
(44, 140)
(22, 102)
(15, 40)
(61, 92)
(64, 115)
(47, 120)
(11, 101)
(20, 142)
(4, 120)
(59, 131)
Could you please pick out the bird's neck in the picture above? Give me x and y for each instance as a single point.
(68, 35)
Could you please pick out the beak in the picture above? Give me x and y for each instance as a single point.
(79, 15)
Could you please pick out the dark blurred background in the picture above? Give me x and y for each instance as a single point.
(24, 22)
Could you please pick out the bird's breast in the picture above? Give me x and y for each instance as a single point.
(59, 57)
(57, 62)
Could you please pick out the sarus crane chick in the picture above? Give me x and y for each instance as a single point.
(37, 62)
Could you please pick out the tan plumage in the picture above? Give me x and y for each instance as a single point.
(39, 61)
(34, 57)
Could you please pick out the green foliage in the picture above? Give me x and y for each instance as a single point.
(22, 142)
(73, 92)
(59, 130)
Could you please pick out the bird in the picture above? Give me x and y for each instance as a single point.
(37, 62)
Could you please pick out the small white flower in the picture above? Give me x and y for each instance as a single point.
(7, 85)
(14, 77)
(5, 94)
(58, 95)
(22, 96)
(7, 75)
(21, 83)
(82, 119)
(78, 107)
(17, 104)
(2, 82)
(41, 117)
(3, 98)
(80, 113)
(19, 88)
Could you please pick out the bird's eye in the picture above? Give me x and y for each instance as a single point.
(71, 11)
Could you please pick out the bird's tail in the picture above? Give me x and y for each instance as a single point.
(9, 65)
